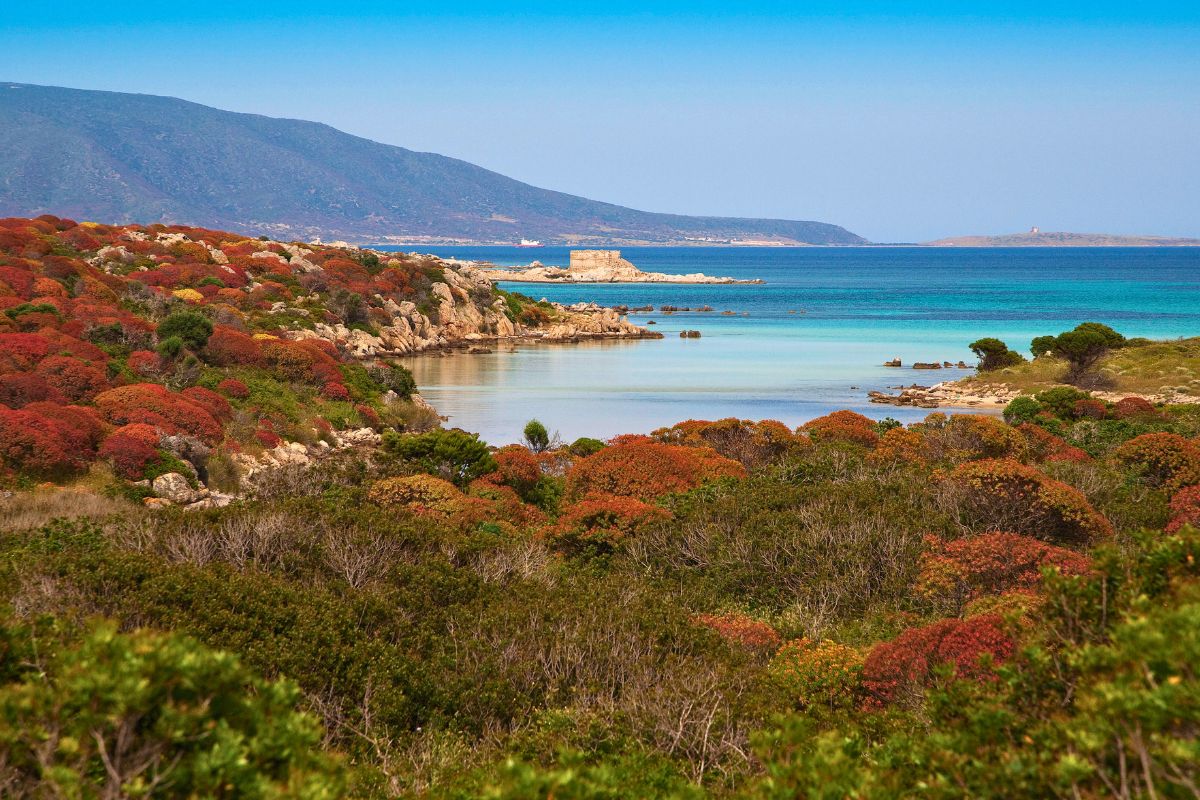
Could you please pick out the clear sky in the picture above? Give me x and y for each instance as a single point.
(901, 121)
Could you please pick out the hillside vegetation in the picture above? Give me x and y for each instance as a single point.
(131, 157)
(238, 560)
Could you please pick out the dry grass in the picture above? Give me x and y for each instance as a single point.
(33, 509)
(1148, 369)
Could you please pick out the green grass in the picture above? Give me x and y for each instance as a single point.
(1150, 368)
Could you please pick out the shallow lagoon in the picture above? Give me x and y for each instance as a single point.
(810, 340)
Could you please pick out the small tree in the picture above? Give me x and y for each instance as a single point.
(455, 455)
(537, 438)
(1081, 347)
(994, 354)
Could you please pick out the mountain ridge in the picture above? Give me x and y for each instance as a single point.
(147, 158)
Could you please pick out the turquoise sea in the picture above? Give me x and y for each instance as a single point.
(853, 309)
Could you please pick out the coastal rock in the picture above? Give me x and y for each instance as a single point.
(174, 487)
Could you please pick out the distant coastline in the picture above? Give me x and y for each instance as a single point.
(1036, 238)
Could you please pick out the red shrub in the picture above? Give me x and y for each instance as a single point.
(18, 389)
(842, 426)
(229, 348)
(155, 405)
(516, 467)
(1090, 409)
(906, 663)
(19, 352)
(231, 387)
(29, 442)
(79, 427)
(741, 630)
(335, 391)
(1005, 495)
(144, 362)
(991, 563)
(646, 470)
(210, 401)
(1162, 459)
(75, 380)
(1185, 508)
(131, 449)
(898, 445)
(1134, 408)
(368, 416)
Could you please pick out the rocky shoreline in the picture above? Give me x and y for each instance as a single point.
(597, 266)
(980, 395)
(458, 320)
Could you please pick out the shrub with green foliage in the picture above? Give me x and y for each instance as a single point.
(190, 327)
(994, 354)
(152, 715)
(455, 455)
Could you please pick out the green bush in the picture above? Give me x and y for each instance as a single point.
(190, 327)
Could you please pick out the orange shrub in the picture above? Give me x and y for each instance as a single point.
(898, 446)
(991, 563)
(131, 449)
(842, 426)
(751, 443)
(155, 405)
(517, 467)
(1134, 408)
(1162, 459)
(1185, 508)
(818, 673)
(966, 437)
(741, 630)
(1003, 494)
(645, 470)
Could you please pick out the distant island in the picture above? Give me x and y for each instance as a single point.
(1038, 238)
(597, 266)
(127, 158)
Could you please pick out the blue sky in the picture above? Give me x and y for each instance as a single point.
(901, 121)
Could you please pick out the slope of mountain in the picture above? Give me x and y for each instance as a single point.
(1060, 239)
(142, 158)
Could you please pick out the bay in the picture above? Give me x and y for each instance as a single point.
(809, 340)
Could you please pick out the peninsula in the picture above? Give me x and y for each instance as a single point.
(597, 266)
(1037, 238)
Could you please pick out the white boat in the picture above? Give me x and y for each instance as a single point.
(530, 243)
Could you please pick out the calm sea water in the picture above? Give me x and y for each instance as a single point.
(810, 340)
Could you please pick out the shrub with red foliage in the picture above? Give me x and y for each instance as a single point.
(645, 470)
(1185, 509)
(212, 402)
(72, 378)
(80, 427)
(230, 348)
(1090, 409)
(991, 563)
(517, 467)
(1164, 460)
(369, 417)
(155, 405)
(741, 630)
(144, 362)
(1045, 446)
(335, 391)
(972, 646)
(131, 449)
(231, 387)
(1134, 408)
(34, 444)
(1003, 494)
(20, 352)
(604, 520)
(751, 443)
(18, 389)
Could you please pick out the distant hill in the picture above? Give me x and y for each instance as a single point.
(140, 158)
(1058, 239)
